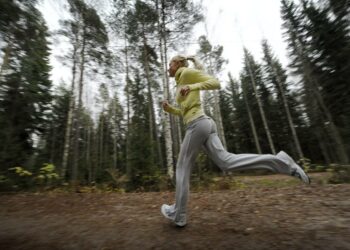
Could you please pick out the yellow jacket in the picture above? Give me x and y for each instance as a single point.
(190, 105)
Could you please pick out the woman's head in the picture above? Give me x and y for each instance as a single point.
(182, 61)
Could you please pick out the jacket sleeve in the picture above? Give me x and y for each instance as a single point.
(171, 109)
(199, 80)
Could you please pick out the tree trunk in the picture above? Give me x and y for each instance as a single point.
(316, 118)
(88, 153)
(70, 115)
(262, 113)
(94, 153)
(53, 147)
(175, 126)
(5, 59)
(235, 99)
(251, 121)
(217, 110)
(323, 146)
(79, 112)
(218, 118)
(149, 95)
(165, 116)
(101, 140)
(127, 149)
(341, 151)
(289, 116)
(114, 135)
(152, 121)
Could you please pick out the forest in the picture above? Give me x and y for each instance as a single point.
(59, 135)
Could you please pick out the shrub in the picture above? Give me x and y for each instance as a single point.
(340, 174)
(20, 178)
(47, 175)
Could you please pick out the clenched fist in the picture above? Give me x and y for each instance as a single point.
(165, 104)
(185, 90)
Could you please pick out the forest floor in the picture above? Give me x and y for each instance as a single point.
(264, 213)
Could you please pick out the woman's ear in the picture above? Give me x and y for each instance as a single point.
(178, 64)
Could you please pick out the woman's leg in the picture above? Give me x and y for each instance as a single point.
(235, 162)
(196, 135)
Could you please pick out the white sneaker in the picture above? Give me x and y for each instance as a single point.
(169, 213)
(297, 171)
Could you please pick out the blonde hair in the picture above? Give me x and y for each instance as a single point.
(184, 60)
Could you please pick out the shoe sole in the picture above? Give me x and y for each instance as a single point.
(180, 225)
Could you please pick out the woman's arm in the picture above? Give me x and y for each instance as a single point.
(171, 109)
(198, 80)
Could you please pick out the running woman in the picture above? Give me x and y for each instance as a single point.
(201, 132)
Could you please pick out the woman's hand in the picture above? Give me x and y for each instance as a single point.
(184, 91)
(165, 104)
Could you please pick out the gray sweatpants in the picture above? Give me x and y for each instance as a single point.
(202, 133)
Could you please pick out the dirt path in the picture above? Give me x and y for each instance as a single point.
(255, 217)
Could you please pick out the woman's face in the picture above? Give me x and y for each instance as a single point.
(173, 67)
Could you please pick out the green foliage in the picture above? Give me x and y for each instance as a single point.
(275, 77)
(305, 163)
(22, 178)
(235, 119)
(310, 167)
(47, 174)
(87, 30)
(211, 56)
(252, 73)
(51, 143)
(319, 46)
(338, 173)
(21, 171)
(177, 19)
(25, 86)
(119, 180)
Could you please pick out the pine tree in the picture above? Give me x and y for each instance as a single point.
(141, 29)
(141, 159)
(89, 39)
(341, 8)
(103, 133)
(261, 94)
(53, 138)
(25, 86)
(249, 102)
(228, 119)
(240, 129)
(277, 76)
(119, 25)
(115, 117)
(330, 45)
(303, 55)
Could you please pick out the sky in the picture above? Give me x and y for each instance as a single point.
(234, 24)
(230, 23)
